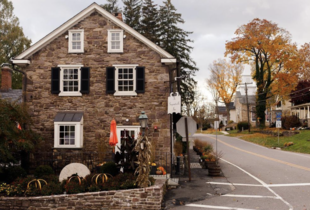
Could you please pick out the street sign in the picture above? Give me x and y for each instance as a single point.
(278, 124)
(174, 103)
(216, 124)
(192, 126)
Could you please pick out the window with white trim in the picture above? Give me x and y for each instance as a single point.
(70, 77)
(76, 41)
(122, 134)
(68, 134)
(253, 113)
(115, 41)
(125, 80)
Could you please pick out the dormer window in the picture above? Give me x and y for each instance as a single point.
(76, 41)
(115, 41)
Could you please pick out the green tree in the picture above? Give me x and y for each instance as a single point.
(12, 139)
(13, 41)
(132, 13)
(176, 42)
(149, 24)
(111, 6)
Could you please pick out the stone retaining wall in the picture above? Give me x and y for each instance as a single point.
(143, 198)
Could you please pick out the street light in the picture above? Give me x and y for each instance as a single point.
(143, 121)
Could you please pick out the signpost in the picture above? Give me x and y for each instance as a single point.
(190, 126)
(278, 123)
(216, 126)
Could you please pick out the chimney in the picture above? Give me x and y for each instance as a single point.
(6, 78)
(119, 16)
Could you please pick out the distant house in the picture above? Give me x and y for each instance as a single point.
(6, 91)
(91, 69)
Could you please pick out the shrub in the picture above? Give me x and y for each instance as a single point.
(290, 122)
(178, 148)
(109, 168)
(13, 173)
(243, 125)
(43, 170)
(74, 187)
(52, 189)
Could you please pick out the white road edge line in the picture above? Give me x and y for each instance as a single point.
(257, 185)
(236, 184)
(215, 207)
(262, 182)
(250, 196)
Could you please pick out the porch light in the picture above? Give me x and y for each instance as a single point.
(143, 120)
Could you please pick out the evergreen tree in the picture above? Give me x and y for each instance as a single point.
(175, 41)
(149, 22)
(13, 41)
(132, 13)
(111, 6)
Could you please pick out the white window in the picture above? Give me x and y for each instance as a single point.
(76, 41)
(115, 41)
(122, 134)
(70, 80)
(253, 113)
(68, 134)
(125, 80)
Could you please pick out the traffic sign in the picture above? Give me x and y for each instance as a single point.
(278, 124)
(191, 124)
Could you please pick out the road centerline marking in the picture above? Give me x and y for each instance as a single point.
(265, 157)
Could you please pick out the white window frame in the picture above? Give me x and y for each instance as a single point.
(135, 128)
(78, 141)
(121, 34)
(252, 113)
(125, 93)
(70, 40)
(70, 93)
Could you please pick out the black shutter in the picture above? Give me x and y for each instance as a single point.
(110, 77)
(85, 79)
(140, 79)
(55, 81)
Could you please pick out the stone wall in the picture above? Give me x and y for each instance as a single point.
(143, 198)
(99, 108)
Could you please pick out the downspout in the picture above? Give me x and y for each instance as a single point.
(24, 81)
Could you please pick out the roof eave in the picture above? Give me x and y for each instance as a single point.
(83, 14)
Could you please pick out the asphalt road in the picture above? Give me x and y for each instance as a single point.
(257, 178)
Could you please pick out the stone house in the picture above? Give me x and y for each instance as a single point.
(90, 70)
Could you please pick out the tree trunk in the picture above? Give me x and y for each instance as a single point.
(228, 114)
(261, 108)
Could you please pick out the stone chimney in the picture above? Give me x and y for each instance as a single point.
(6, 78)
(119, 16)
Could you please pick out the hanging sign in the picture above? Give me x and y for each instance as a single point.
(174, 103)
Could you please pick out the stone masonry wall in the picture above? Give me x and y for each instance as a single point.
(98, 107)
(143, 198)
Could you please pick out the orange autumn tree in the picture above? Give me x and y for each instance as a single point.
(224, 80)
(269, 49)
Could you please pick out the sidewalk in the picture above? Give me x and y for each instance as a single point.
(195, 190)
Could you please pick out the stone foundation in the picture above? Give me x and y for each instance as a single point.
(143, 198)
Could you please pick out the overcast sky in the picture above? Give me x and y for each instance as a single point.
(213, 22)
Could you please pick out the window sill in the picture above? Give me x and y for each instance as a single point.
(75, 51)
(75, 148)
(125, 94)
(120, 51)
(70, 94)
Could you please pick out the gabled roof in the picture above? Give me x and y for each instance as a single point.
(12, 95)
(80, 16)
(242, 98)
